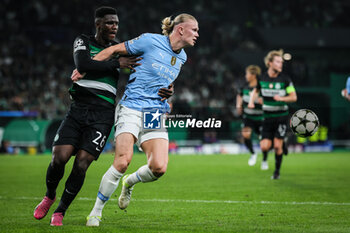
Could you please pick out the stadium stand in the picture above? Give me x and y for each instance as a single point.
(37, 38)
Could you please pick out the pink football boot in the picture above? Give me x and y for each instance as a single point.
(41, 210)
(56, 219)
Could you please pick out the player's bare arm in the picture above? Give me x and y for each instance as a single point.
(239, 102)
(253, 96)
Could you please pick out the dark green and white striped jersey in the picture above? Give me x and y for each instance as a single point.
(250, 113)
(269, 87)
(99, 85)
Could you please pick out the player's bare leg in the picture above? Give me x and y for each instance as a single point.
(247, 134)
(265, 146)
(157, 156)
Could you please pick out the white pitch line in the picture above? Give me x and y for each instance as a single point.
(204, 201)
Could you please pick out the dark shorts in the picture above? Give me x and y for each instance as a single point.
(86, 128)
(256, 126)
(274, 127)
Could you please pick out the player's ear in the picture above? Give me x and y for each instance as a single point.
(181, 31)
(97, 23)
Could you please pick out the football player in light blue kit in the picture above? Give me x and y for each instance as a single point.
(162, 58)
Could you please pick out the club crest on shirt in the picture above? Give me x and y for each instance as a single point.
(173, 60)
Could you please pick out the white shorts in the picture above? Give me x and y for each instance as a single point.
(128, 120)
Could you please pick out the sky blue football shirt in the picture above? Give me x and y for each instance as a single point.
(159, 67)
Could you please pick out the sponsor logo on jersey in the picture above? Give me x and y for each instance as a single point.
(56, 137)
(161, 55)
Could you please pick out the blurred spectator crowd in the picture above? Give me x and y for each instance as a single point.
(37, 35)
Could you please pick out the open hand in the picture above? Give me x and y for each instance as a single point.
(129, 62)
(76, 76)
(251, 105)
(166, 93)
(277, 98)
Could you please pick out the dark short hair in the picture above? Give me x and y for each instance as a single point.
(105, 10)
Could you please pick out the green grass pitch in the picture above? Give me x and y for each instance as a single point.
(216, 193)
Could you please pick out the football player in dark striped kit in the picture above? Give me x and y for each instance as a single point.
(277, 91)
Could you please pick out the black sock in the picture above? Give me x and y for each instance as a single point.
(285, 147)
(248, 143)
(278, 161)
(73, 185)
(265, 153)
(53, 176)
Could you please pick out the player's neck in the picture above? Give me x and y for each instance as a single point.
(101, 41)
(253, 83)
(175, 43)
(272, 73)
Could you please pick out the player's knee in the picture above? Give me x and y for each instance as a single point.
(246, 135)
(265, 148)
(278, 150)
(158, 174)
(121, 164)
(58, 159)
(81, 166)
(158, 169)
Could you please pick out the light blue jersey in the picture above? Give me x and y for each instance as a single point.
(160, 66)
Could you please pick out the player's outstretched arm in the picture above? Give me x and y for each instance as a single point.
(110, 51)
(290, 98)
(83, 61)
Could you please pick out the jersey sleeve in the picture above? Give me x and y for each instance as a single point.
(258, 86)
(139, 44)
(84, 62)
(289, 87)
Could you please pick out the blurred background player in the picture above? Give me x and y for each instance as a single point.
(277, 90)
(163, 57)
(90, 119)
(346, 91)
(252, 117)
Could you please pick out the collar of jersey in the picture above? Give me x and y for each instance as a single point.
(171, 47)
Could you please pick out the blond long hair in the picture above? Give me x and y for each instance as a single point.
(168, 24)
(269, 57)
